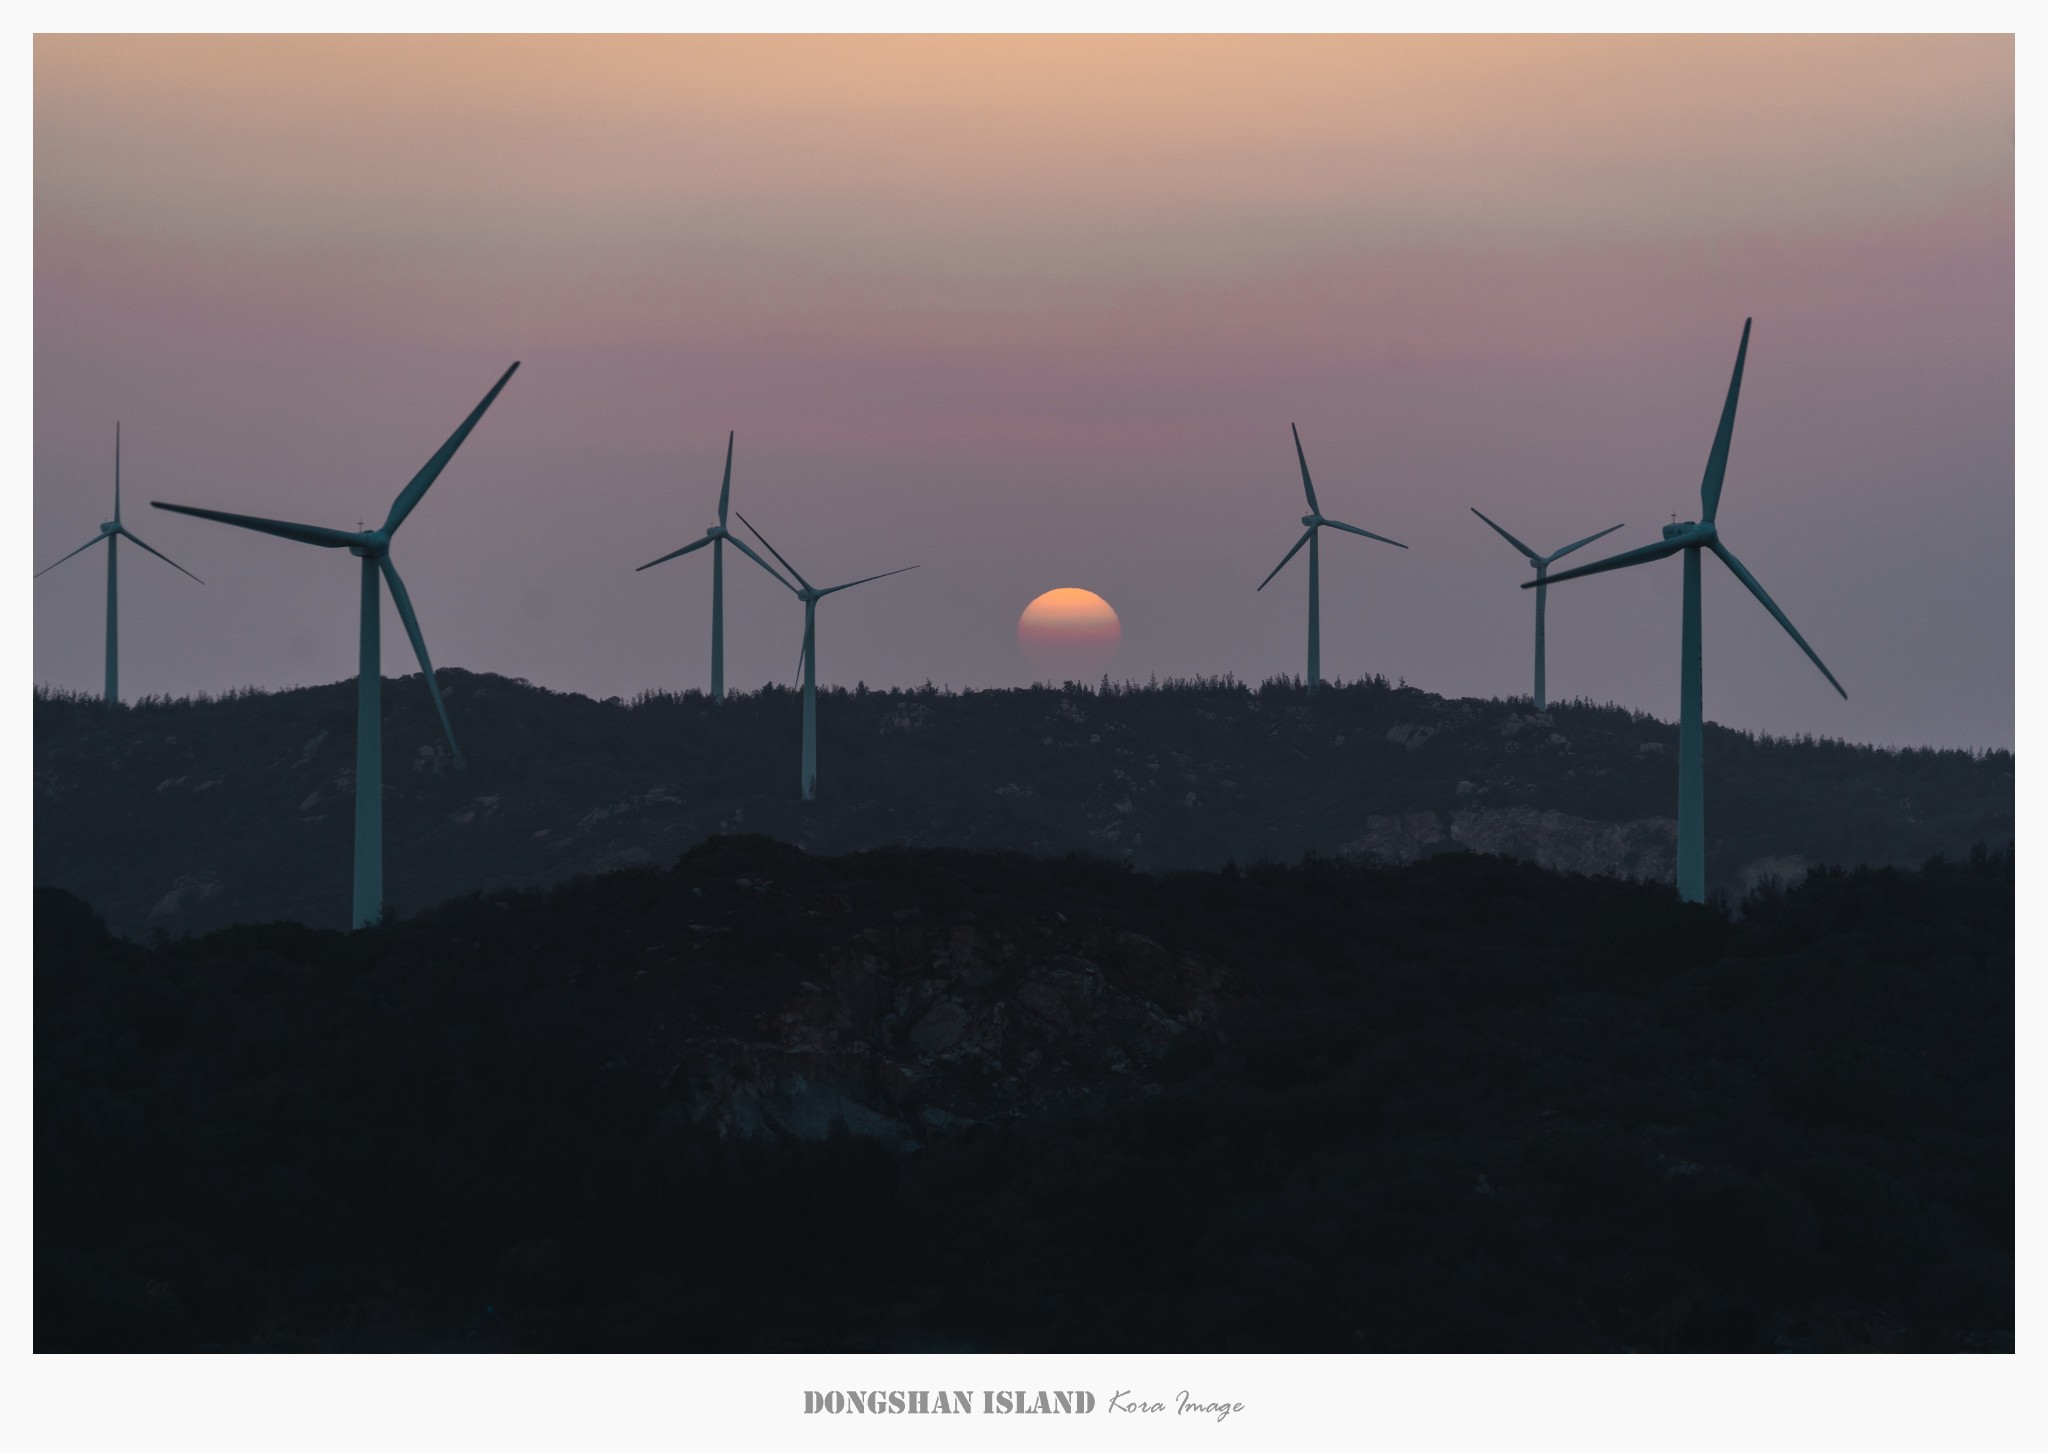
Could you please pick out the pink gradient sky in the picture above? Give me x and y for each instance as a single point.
(1038, 312)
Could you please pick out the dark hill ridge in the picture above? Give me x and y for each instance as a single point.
(186, 815)
(1463, 1104)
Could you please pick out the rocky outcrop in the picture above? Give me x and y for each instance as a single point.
(1644, 848)
(1410, 734)
(189, 888)
(1399, 838)
(1784, 872)
(915, 1030)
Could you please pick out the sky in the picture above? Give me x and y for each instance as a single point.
(1034, 313)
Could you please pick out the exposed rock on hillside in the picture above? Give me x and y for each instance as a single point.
(916, 1028)
(1646, 848)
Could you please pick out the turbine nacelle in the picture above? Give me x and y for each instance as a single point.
(372, 544)
(1693, 532)
(1540, 563)
(1311, 520)
(110, 527)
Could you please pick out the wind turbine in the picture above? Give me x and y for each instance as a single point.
(716, 537)
(1315, 520)
(1693, 537)
(810, 595)
(112, 532)
(373, 548)
(1542, 564)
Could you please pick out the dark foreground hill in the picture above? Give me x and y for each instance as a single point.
(924, 1100)
(190, 815)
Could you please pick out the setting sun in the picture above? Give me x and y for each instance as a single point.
(1069, 634)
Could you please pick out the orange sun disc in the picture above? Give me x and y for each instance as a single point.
(1069, 634)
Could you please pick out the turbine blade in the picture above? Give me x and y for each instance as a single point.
(431, 470)
(803, 649)
(1307, 487)
(1287, 557)
(117, 473)
(693, 545)
(1560, 554)
(749, 551)
(773, 551)
(419, 647)
(128, 534)
(1340, 525)
(1526, 551)
(1743, 575)
(1616, 562)
(725, 489)
(1717, 459)
(831, 590)
(86, 546)
(284, 529)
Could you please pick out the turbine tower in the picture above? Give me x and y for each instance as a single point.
(112, 531)
(810, 595)
(1542, 564)
(716, 537)
(1315, 521)
(1693, 537)
(373, 548)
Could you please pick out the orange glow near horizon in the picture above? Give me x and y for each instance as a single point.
(1069, 633)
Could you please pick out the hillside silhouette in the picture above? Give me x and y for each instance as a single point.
(193, 814)
(930, 1100)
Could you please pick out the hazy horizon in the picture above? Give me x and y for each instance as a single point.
(1033, 313)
